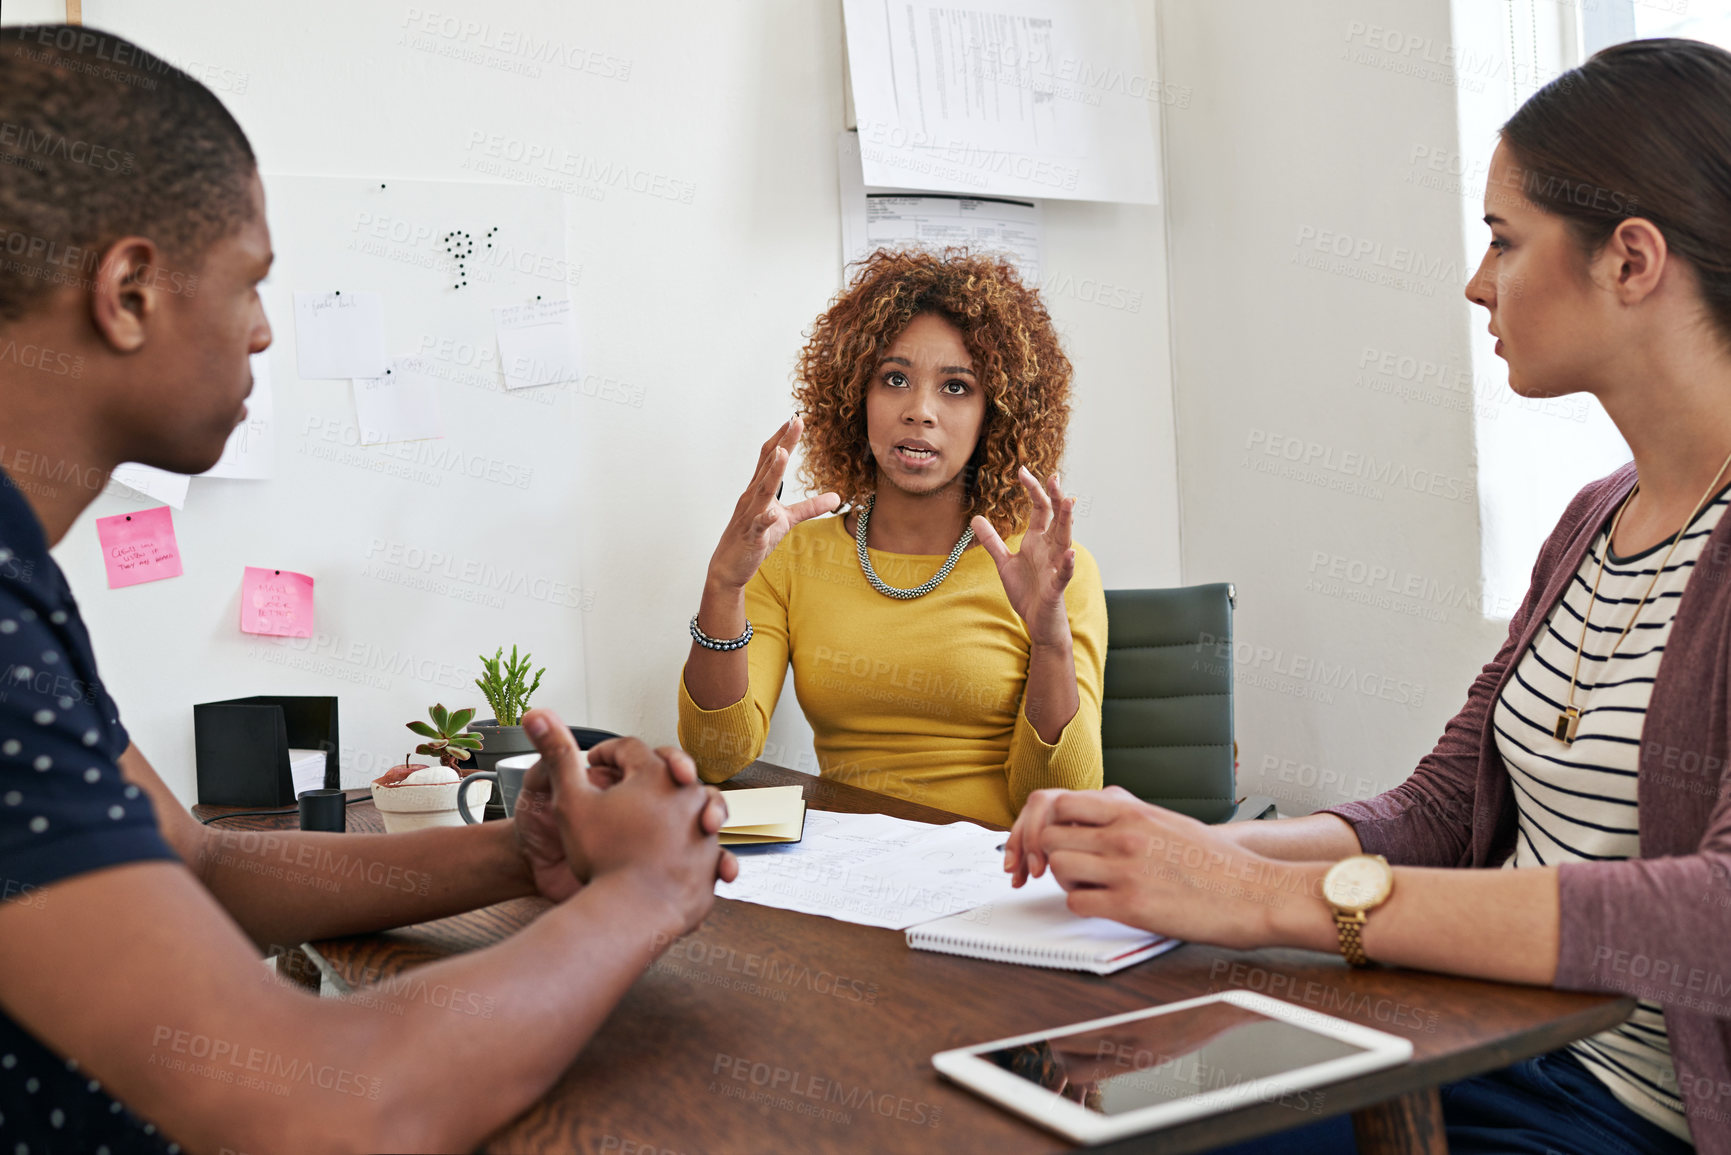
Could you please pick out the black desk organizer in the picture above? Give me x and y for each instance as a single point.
(242, 746)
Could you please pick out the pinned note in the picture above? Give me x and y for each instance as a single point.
(276, 602)
(251, 450)
(138, 547)
(340, 334)
(400, 405)
(537, 343)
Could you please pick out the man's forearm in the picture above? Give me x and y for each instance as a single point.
(531, 1004)
(287, 886)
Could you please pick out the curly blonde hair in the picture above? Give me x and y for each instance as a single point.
(1017, 361)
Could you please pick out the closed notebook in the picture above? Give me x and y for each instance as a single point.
(1033, 927)
(764, 814)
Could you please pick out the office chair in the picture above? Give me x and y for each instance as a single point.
(1166, 712)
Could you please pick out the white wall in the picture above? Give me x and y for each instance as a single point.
(1357, 565)
(697, 308)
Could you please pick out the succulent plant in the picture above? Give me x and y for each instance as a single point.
(503, 684)
(446, 740)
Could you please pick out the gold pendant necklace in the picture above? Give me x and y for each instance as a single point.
(1569, 721)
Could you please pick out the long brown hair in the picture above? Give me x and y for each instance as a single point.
(1642, 129)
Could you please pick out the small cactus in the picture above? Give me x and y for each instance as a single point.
(503, 685)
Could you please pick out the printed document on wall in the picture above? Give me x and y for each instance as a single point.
(874, 218)
(1021, 98)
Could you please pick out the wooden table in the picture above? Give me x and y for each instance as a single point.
(848, 1017)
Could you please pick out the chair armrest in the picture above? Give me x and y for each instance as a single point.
(1254, 807)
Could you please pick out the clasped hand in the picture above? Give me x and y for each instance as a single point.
(623, 807)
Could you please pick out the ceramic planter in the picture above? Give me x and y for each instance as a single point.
(496, 742)
(416, 806)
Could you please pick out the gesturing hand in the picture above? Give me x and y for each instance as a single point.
(760, 520)
(1036, 576)
(559, 869)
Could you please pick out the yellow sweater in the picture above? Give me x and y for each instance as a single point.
(917, 699)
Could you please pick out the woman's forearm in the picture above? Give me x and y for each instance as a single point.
(1312, 838)
(1050, 697)
(716, 679)
(1489, 924)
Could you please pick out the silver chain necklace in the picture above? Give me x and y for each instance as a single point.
(889, 591)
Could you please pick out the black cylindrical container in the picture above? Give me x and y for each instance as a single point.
(324, 810)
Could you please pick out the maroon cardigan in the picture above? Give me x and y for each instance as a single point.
(1658, 926)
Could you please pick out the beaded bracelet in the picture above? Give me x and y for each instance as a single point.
(710, 643)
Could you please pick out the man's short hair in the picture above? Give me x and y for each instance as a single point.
(100, 139)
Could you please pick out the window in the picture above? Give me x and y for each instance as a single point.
(1534, 456)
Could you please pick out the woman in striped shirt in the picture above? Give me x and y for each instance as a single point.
(1591, 756)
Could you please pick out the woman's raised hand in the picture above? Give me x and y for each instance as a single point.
(1036, 576)
(759, 519)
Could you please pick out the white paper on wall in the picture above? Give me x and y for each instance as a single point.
(884, 218)
(538, 343)
(401, 404)
(155, 483)
(1022, 98)
(251, 451)
(340, 334)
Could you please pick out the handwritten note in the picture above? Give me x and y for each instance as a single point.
(251, 450)
(138, 547)
(401, 405)
(340, 334)
(537, 343)
(276, 602)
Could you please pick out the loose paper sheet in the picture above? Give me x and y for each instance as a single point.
(874, 870)
(400, 405)
(538, 343)
(1030, 98)
(251, 451)
(307, 769)
(874, 219)
(340, 334)
(276, 602)
(138, 547)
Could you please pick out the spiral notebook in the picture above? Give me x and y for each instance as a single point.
(1033, 927)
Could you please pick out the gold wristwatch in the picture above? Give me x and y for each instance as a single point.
(1354, 887)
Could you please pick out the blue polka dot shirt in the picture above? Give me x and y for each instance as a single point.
(64, 810)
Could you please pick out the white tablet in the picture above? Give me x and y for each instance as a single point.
(1106, 1079)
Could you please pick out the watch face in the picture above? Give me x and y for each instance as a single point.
(1355, 883)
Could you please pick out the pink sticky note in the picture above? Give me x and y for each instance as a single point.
(138, 547)
(277, 602)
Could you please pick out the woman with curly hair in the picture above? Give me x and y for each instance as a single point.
(934, 396)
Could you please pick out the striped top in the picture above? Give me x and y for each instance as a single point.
(1577, 803)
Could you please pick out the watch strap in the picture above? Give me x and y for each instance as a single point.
(1351, 930)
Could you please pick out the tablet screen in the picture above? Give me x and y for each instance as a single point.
(1164, 1058)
